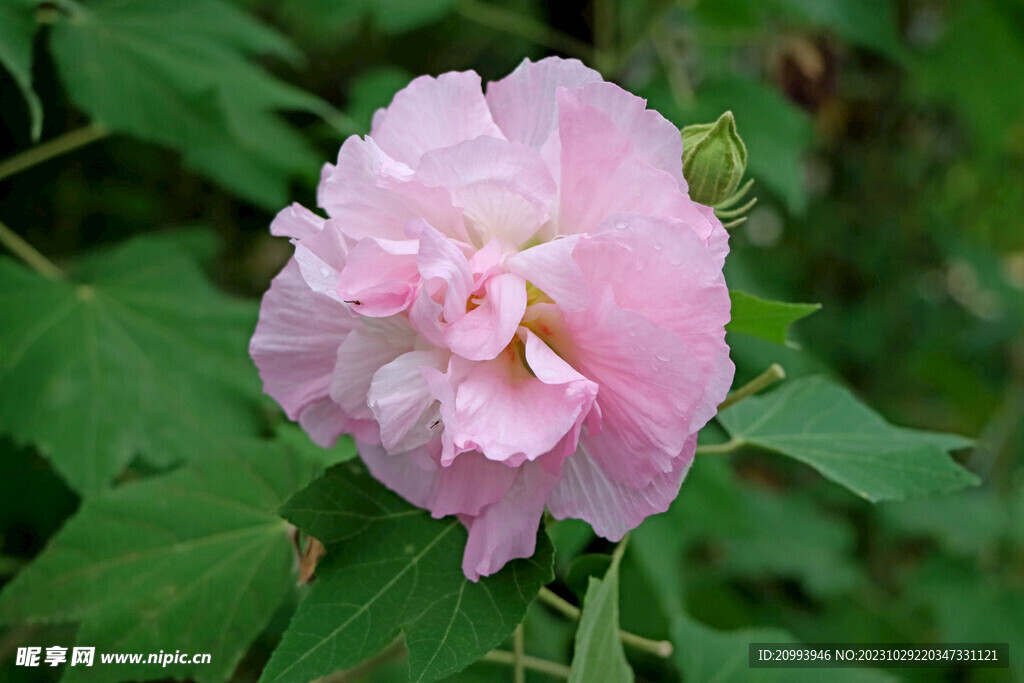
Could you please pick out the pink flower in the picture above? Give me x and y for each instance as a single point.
(513, 305)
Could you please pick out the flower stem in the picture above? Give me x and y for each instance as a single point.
(661, 648)
(517, 24)
(61, 144)
(720, 448)
(27, 253)
(773, 374)
(519, 654)
(528, 662)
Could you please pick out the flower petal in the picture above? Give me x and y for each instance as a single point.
(431, 113)
(510, 413)
(440, 259)
(482, 333)
(550, 268)
(295, 347)
(400, 400)
(504, 188)
(369, 194)
(380, 277)
(650, 383)
(357, 360)
(523, 103)
(665, 271)
(585, 491)
(602, 174)
(507, 529)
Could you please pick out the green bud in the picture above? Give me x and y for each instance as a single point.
(714, 159)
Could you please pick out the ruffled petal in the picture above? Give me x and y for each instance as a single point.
(295, 347)
(369, 194)
(401, 401)
(653, 138)
(431, 113)
(602, 174)
(507, 530)
(651, 385)
(511, 412)
(358, 359)
(482, 333)
(504, 188)
(585, 491)
(380, 277)
(665, 271)
(523, 103)
(550, 268)
(440, 259)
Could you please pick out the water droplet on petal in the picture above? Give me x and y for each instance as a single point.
(325, 272)
(663, 359)
(621, 225)
(656, 245)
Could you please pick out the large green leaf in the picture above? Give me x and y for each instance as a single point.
(763, 318)
(390, 568)
(178, 73)
(196, 561)
(599, 655)
(704, 654)
(823, 425)
(17, 29)
(138, 354)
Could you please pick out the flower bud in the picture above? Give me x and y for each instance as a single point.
(714, 159)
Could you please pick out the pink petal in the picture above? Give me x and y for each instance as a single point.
(442, 260)
(431, 113)
(651, 385)
(550, 268)
(523, 103)
(653, 138)
(380, 277)
(663, 270)
(412, 475)
(504, 188)
(612, 508)
(602, 174)
(507, 529)
(469, 484)
(401, 401)
(371, 195)
(296, 221)
(511, 413)
(295, 347)
(482, 333)
(358, 359)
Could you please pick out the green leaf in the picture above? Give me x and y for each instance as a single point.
(139, 354)
(196, 561)
(17, 29)
(177, 73)
(298, 440)
(390, 568)
(582, 569)
(824, 426)
(871, 23)
(599, 655)
(705, 654)
(766, 319)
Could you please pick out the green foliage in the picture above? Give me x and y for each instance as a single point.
(196, 560)
(186, 65)
(704, 654)
(599, 654)
(390, 568)
(17, 29)
(824, 426)
(138, 354)
(763, 318)
(373, 90)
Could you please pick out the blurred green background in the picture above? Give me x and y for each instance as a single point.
(886, 138)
